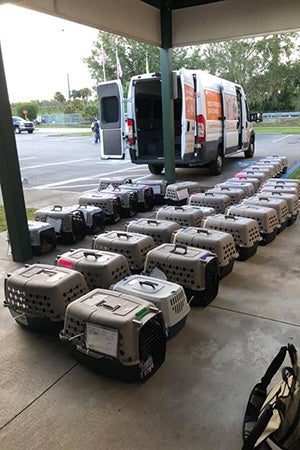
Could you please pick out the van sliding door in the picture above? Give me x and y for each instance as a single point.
(230, 108)
(112, 122)
(188, 122)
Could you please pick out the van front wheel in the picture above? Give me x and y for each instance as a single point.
(155, 169)
(250, 151)
(216, 166)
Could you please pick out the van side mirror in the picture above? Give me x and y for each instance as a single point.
(256, 117)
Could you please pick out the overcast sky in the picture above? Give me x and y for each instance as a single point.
(39, 51)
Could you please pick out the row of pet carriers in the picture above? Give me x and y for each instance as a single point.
(115, 182)
(185, 215)
(218, 242)
(219, 202)
(168, 297)
(235, 194)
(285, 186)
(282, 159)
(161, 231)
(37, 295)
(69, 224)
(268, 169)
(158, 187)
(100, 269)
(250, 173)
(133, 246)
(267, 219)
(197, 270)
(278, 204)
(292, 201)
(108, 202)
(245, 232)
(128, 200)
(177, 194)
(118, 335)
(145, 195)
(275, 162)
(247, 187)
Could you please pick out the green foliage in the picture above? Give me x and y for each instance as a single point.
(3, 226)
(59, 97)
(31, 107)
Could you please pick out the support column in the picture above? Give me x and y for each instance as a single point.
(166, 53)
(10, 179)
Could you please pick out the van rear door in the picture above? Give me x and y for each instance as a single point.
(188, 113)
(112, 121)
(231, 122)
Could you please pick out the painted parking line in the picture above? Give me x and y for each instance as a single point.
(56, 163)
(76, 180)
(282, 138)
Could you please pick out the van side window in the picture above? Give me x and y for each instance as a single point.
(109, 110)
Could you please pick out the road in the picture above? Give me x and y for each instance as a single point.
(72, 163)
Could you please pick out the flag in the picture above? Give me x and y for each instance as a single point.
(119, 68)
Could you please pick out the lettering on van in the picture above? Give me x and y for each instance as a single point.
(213, 105)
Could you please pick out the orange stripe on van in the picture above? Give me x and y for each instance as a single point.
(213, 103)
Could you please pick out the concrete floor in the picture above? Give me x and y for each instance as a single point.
(196, 400)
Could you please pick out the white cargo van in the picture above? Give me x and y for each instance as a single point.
(211, 120)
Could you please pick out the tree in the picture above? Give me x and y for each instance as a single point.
(31, 108)
(59, 97)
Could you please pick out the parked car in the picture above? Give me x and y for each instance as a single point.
(20, 125)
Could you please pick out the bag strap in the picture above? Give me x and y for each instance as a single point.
(274, 367)
(258, 428)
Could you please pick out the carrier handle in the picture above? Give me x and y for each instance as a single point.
(120, 235)
(57, 207)
(152, 221)
(209, 193)
(227, 216)
(182, 246)
(279, 186)
(148, 283)
(277, 193)
(202, 230)
(88, 253)
(263, 198)
(179, 208)
(224, 188)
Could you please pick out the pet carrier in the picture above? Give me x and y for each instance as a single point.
(108, 202)
(278, 204)
(245, 232)
(118, 335)
(220, 202)
(160, 230)
(266, 219)
(133, 246)
(236, 195)
(100, 269)
(218, 242)
(268, 169)
(186, 215)
(283, 188)
(145, 195)
(37, 295)
(69, 224)
(159, 189)
(42, 237)
(128, 200)
(249, 173)
(195, 269)
(248, 179)
(115, 182)
(248, 188)
(168, 297)
(177, 194)
(94, 218)
(276, 163)
(292, 201)
(284, 182)
(282, 159)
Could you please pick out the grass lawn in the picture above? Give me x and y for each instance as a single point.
(3, 226)
(295, 174)
(277, 130)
